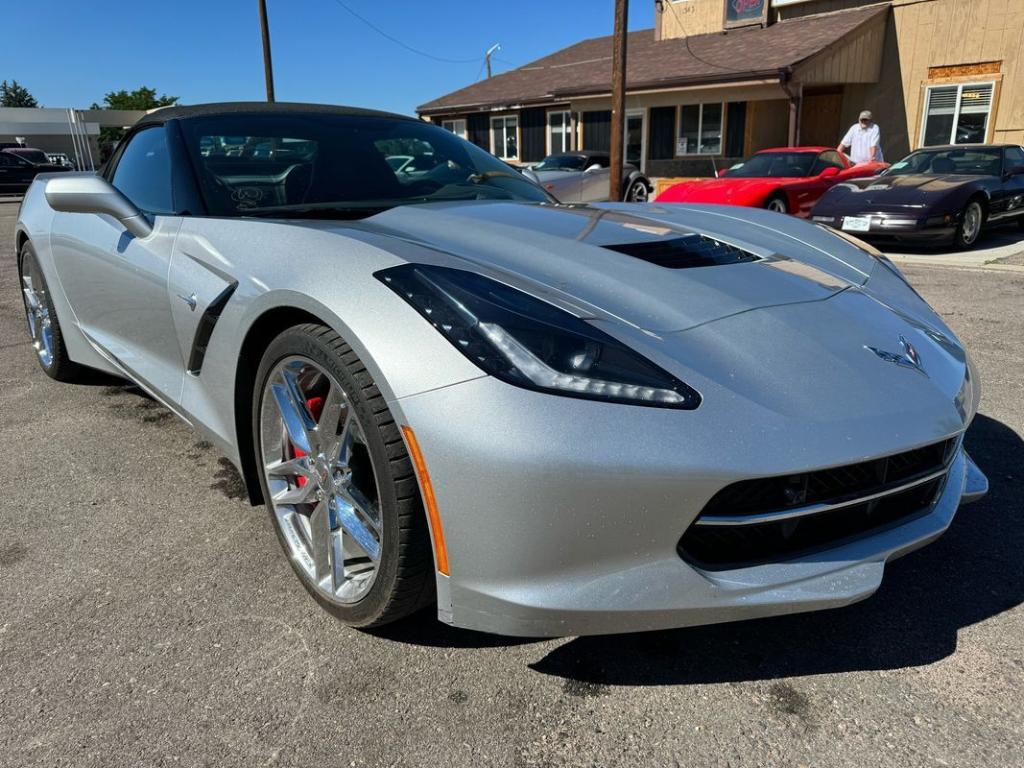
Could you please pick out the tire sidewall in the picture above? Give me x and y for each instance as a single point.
(300, 341)
(779, 199)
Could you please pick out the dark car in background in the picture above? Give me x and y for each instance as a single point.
(938, 195)
(17, 168)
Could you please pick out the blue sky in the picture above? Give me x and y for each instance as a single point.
(71, 53)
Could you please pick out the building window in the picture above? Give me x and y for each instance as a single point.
(504, 137)
(700, 129)
(458, 127)
(559, 132)
(957, 114)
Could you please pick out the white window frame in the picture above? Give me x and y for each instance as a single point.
(700, 130)
(566, 126)
(642, 114)
(956, 110)
(504, 134)
(454, 126)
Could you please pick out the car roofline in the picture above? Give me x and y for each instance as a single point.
(232, 108)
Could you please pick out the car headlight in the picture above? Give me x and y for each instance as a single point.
(529, 343)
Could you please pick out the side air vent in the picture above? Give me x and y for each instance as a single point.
(685, 252)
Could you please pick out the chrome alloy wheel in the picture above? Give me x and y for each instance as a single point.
(637, 193)
(323, 486)
(777, 204)
(972, 223)
(37, 312)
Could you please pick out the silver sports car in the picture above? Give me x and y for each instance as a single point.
(585, 177)
(451, 390)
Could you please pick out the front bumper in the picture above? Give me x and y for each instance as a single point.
(897, 227)
(561, 517)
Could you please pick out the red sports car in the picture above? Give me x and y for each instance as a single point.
(787, 180)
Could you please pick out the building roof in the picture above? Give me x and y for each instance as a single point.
(585, 68)
(258, 107)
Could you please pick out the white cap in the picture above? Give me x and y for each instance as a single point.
(865, 115)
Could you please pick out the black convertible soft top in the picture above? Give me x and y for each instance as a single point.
(259, 107)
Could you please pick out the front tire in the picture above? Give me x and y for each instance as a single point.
(637, 192)
(41, 316)
(777, 203)
(338, 482)
(971, 221)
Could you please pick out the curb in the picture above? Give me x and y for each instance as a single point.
(918, 261)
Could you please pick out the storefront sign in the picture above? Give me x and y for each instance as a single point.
(742, 13)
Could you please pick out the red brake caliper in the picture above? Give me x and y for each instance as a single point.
(315, 406)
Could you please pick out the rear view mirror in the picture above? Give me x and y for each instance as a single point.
(1017, 170)
(829, 172)
(594, 167)
(89, 193)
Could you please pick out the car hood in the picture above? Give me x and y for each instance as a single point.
(602, 261)
(913, 189)
(724, 189)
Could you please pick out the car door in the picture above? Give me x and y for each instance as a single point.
(594, 186)
(15, 173)
(115, 282)
(1008, 200)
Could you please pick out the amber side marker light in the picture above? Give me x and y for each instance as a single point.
(427, 488)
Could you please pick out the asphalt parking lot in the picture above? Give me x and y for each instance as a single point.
(148, 618)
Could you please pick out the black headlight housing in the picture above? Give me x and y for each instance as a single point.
(530, 343)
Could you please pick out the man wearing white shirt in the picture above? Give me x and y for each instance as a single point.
(861, 142)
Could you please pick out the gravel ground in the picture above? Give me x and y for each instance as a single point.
(147, 618)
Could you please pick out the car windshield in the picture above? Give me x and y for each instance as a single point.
(561, 163)
(340, 166)
(36, 156)
(774, 165)
(960, 161)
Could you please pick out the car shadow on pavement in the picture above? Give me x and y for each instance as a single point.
(972, 573)
(996, 237)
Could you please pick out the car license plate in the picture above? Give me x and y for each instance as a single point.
(856, 223)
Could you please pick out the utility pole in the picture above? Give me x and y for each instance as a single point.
(268, 66)
(487, 56)
(618, 99)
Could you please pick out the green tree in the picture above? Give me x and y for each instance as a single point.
(16, 95)
(142, 98)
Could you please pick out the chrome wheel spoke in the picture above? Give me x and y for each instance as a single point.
(354, 516)
(345, 442)
(321, 542)
(297, 467)
(294, 413)
(335, 412)
(296, 494)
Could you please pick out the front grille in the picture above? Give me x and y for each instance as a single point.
(685, 252)
(769, 519)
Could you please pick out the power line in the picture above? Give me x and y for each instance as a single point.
(689, 50)
(398, 42)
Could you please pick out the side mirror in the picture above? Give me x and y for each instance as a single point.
(94, 194)
(1017, 170)
(592, 168)
(829, 172)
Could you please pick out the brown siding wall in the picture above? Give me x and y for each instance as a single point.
(693, 17)
(924, 36)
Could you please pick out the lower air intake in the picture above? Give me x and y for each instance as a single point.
(771, 519)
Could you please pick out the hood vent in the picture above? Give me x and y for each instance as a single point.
(685, 252)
